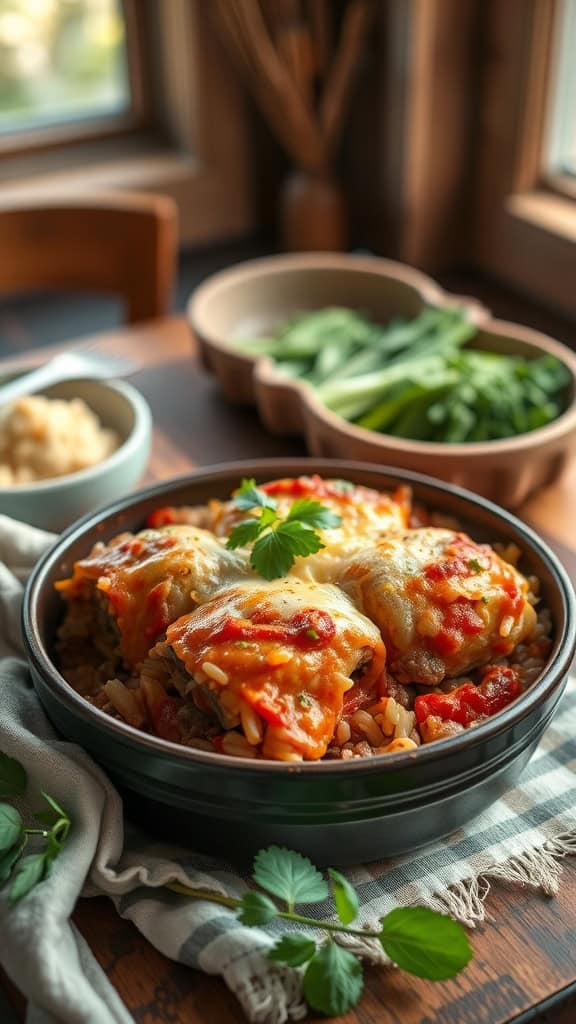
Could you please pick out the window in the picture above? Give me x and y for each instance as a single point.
(525, 220)
(561, 142)
(124, 94)
(61, 61)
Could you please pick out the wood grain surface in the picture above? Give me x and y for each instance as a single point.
(524, 969)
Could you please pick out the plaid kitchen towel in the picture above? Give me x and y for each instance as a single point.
(522, 838)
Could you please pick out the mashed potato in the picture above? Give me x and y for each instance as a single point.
(44, 437)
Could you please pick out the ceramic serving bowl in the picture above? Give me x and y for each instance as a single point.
(251, 298)
(341, 812)
(55, 503)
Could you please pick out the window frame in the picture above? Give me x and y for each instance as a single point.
(524, 226)
(182, 85)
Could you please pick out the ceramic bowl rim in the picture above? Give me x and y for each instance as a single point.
(140, 431)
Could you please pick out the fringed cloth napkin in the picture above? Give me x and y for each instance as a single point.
(522, 838)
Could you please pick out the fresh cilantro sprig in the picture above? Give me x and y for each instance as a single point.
(26, 871)
(278, 540)
(420, 941)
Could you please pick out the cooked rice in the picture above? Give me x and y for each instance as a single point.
(43, 437)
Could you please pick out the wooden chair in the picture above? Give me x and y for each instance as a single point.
(124, 244)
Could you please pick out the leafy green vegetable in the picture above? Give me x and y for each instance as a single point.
(289, 875)
(312, 513)
(274, 553)
(8, 860)
(244, 533)
(256, 908)
(415, 378)
(11, 826)
(421, 941)
(425, 943)
(345, 897)
(278, 541)
(30, 871)
(27, 871)
(333, 980)
(12, 777)
(293, 949)
(250, 496)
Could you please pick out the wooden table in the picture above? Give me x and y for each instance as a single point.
(524, 968)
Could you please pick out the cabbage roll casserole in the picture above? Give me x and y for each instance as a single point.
(303, 619)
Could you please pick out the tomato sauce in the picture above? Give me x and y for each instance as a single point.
(309, 628)
(500, 685)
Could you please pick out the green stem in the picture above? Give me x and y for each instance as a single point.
(37, 832)
(287, 915)
(329, 926)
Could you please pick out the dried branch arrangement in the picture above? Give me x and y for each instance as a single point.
(300, 75)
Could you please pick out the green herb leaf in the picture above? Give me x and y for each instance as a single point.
(58, 811)
(274, 553)
(333, 980)
(475, 565)
(293, 949)
(257, 909)
(425, 943)
(250, 496)
(345, 897)
(11, 826)
(12, 777)
(8, 860)
(244, 533)
(289, 875)
(29, 872)
(312, 513)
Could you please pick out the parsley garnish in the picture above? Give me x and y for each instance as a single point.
(27, 871)
(475, 564)
(304, 700)
(278, 541)
(421, 941)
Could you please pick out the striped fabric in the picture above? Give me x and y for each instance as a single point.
(521, 838)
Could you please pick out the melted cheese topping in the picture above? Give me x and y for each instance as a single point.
(444, 604)
(366, 514)
(284, 651)
(150, 579)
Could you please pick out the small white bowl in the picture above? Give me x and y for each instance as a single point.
(55, 503)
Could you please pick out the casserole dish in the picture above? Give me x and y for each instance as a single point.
(342, 812)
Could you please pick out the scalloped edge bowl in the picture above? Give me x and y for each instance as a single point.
(261, 292)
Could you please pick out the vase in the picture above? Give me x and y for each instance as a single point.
(312, 214)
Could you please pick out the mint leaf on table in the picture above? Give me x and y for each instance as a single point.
(26, 872)
(250, 496)
(289, 876)
(11, 827)
(425, 943)
(57, 811)
(12, 777)
(30, 871)
(333, 980)
(8, 860)
(345, 897)
(293, 949)
(257, 908)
